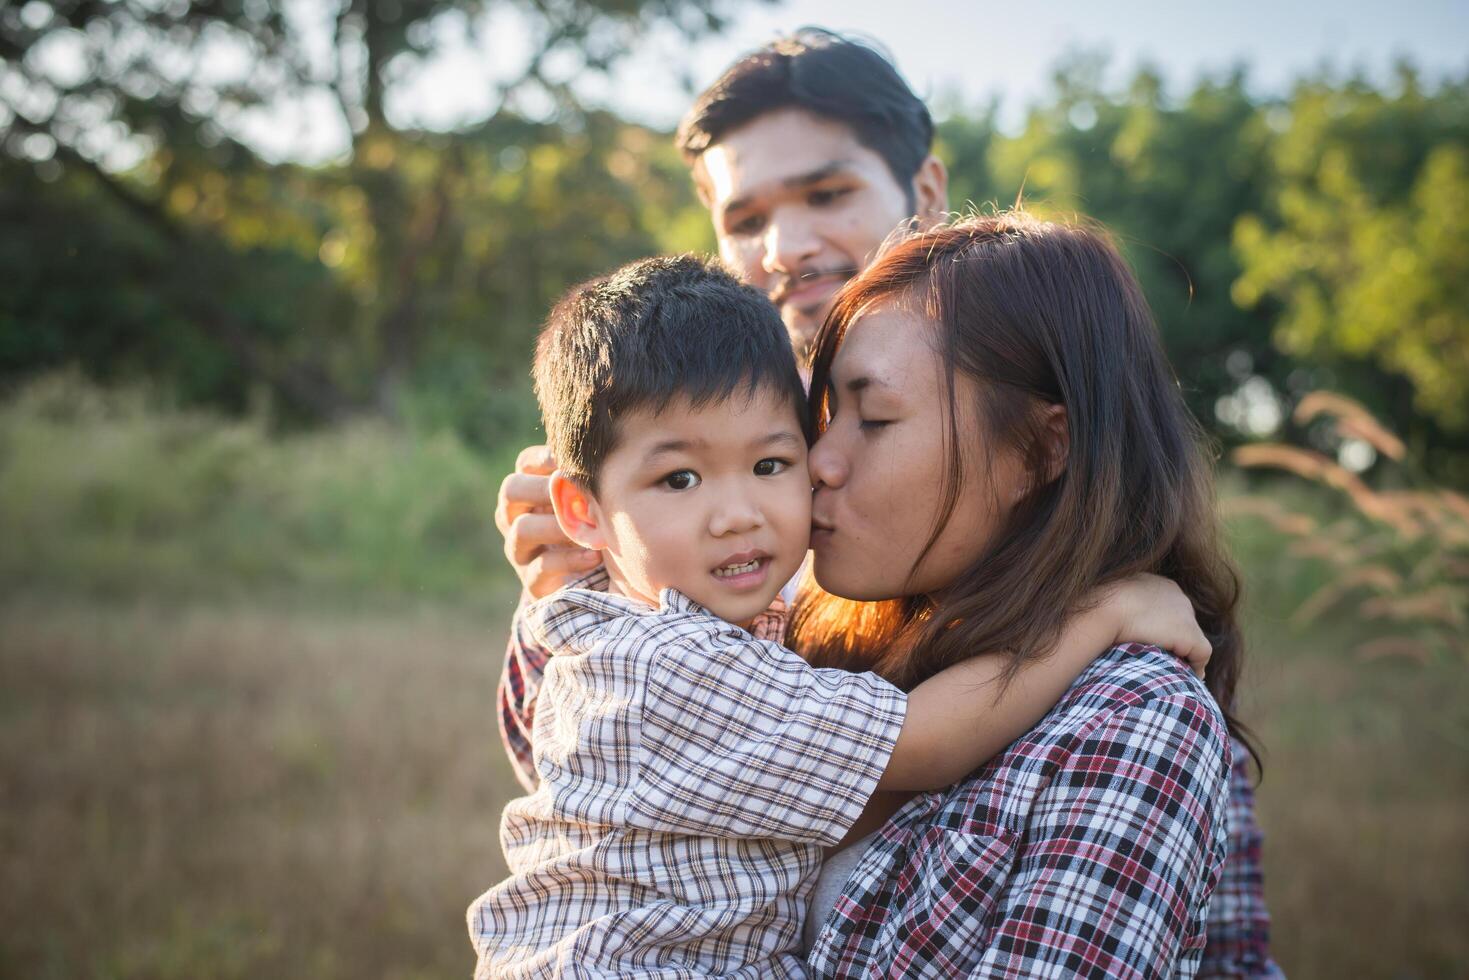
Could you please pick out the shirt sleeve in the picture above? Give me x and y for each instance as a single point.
(1121, 851)
(520, 682)
(1239, 923)
(743, 738)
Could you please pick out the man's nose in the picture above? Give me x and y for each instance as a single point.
(828, 465)
(790, 242)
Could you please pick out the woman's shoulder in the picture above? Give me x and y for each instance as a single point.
(1131, 675)
(1137, 707)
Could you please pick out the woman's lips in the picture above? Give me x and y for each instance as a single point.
(821, 533)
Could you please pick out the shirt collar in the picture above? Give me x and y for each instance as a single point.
(560, 620)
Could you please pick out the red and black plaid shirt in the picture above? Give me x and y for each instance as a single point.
(1090, 847)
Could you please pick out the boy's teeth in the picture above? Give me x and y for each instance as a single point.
(729, 571)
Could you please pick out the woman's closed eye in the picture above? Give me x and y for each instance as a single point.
(771, 466)
(872, 425)
(681, 480)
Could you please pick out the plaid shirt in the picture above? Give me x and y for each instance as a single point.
(1238, 935)
(687, 776)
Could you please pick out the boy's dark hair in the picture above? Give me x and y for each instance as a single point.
(828, 75)
(638, 338)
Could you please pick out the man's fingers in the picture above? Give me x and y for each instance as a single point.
(554, 567)
(530, 534)
(521, 493)
(535, 459)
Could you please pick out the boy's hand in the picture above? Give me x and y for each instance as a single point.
(543, 557)
(1153, 610)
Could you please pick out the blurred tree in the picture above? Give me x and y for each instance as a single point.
(1363, 244)
(130, 133)
(1167, 175)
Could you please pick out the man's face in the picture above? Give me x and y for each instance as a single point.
(799, 207)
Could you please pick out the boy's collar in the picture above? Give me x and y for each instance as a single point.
(558, 620)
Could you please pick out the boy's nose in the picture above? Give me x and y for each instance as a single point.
(735, 517)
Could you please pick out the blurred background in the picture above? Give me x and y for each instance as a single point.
(269, 274)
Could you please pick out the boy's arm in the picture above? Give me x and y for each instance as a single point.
(966, 715)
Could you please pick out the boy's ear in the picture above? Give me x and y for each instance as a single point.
(577, 512)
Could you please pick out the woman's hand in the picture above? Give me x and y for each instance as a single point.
(1151, 609)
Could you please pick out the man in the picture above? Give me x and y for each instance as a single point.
(808, 154)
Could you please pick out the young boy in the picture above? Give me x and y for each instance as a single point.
(691, 770)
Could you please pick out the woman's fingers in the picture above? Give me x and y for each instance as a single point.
(521, 493)
(543, 557)
(555, 567)
(530, 534)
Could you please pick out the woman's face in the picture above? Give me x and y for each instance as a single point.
(880, 468)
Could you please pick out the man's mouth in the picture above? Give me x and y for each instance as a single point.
(807, 290)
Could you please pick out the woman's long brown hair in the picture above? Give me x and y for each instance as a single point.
(1038, 313)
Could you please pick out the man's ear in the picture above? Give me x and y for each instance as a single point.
(931, 191)
(1056, 432)
(577, 512)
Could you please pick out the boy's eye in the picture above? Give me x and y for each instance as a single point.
(770, 467)
(681, 480)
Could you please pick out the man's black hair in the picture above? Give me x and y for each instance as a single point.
(651, 332)
(828, 75)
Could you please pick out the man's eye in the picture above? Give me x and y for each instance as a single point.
(748, 226)
(681, 480)
(770, 467)
(825, 196)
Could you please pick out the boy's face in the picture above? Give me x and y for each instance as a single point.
(713, 501)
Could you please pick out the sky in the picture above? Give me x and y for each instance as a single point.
(947, 49)
(980, 49)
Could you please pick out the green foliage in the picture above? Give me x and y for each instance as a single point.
(106, 492)
(1168, 176)
(1364, 241)
(416, 260)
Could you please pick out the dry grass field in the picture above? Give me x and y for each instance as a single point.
(233, 790)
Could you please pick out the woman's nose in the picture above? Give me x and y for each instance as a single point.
(828, 466)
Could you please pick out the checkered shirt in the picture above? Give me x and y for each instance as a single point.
(1090, 847)
(685, 777)
(1239, 922)
(1238, 941)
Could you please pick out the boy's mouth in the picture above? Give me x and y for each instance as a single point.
(744, 570)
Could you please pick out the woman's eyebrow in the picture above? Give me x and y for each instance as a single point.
(863, 381)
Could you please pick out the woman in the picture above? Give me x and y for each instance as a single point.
(1012, 365)
(1000, 435)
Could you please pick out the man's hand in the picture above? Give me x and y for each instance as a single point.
(1153, 610)
(543, 557)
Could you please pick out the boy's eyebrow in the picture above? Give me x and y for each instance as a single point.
(794, 182)
(670, 446)
(783, 437)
